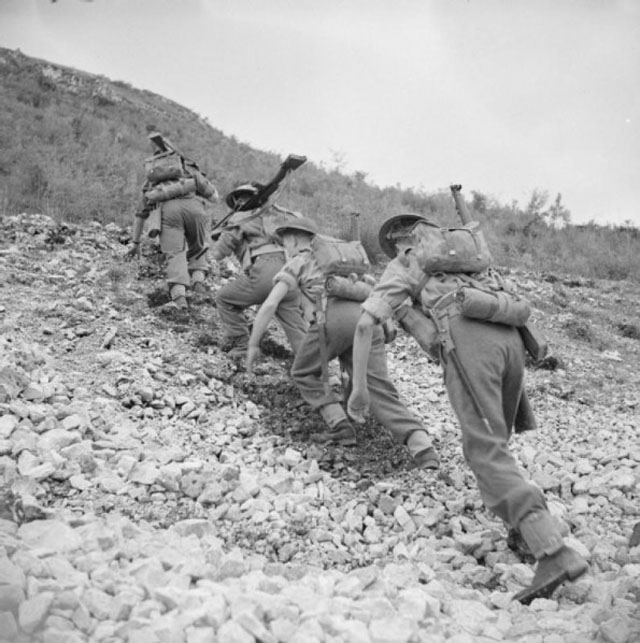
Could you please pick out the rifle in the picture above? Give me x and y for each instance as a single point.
(262, 194)
(165, 145)
(461, 204)
(355, 226)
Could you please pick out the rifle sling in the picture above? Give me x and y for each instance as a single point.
(441, 320)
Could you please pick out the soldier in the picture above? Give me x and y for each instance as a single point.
(173, 199)
(302, 274)
(484, 383)
(247, 236)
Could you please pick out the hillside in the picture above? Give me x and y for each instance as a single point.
(74, 146)
(152, 492)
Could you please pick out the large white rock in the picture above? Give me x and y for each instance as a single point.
(50, 534)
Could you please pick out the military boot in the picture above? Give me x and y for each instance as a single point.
(556, 561)
(178, 296)
(426, 459)
(424, 456)
(235, 347)
(342, 433)
(180, 302)
(199, 288)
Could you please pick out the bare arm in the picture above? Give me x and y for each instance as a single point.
(263, 318)
(358, 403)
(136, 233)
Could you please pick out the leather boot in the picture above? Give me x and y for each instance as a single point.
(178, 296)
(180, 302)
(556, 561)
(426, 459)
(423, 454)
(552, 571)
(199, 288)
(342, 433)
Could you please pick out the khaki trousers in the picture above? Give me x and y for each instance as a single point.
(341, 320)
(183, 238)
(493, 357)
(251, 289)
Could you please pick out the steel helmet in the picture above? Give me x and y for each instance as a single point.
(399, 225)
(303, 224)
(238, 197)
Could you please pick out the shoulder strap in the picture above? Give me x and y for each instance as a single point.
(415, 295)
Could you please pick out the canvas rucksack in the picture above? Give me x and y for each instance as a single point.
(167, 166)
(462, 250)
(340, 257)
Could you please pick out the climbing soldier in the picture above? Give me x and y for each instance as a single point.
(330, 335)
(483, 364)
(248, 233)
(174, 197)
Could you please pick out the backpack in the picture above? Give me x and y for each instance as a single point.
(204, 187)
(167, 166)
(340, 257)
(452, 249)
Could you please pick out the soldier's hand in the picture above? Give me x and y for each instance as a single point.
(134, 251)
(253, 353)
(358, 406)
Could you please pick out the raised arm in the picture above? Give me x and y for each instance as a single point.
(136, 233)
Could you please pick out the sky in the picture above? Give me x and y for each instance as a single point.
(503, 96)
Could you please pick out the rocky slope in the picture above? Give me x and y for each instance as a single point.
(151, 492)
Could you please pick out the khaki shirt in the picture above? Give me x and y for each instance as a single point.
(243, 239)
(303, 273)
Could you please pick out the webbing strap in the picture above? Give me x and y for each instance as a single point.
(321, 321)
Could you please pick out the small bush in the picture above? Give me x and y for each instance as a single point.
(577, 329)
(628, 330)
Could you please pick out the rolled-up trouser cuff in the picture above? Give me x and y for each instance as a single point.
(177, 290)
(197, 276)
(541, 534)
(417, 441)
(332, 414)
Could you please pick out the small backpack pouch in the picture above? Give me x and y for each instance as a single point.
(340, 257)
(498, 307)
(164, 167)
(452, 249)
(170, 190)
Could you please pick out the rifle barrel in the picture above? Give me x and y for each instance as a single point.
(461, 205)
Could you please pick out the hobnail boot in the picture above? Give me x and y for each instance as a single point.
(552, 571)
(180, 302)
(342, 433)
(199, 288)
(426, 459)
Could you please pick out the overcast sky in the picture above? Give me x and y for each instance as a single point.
(503, 96)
